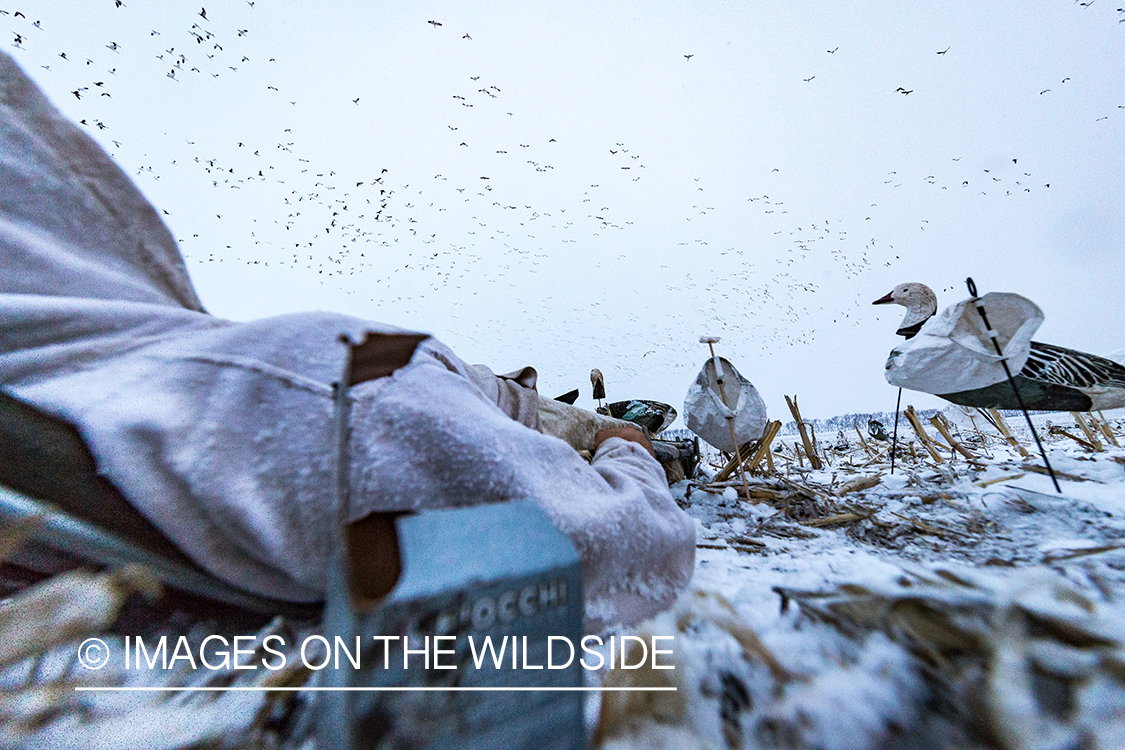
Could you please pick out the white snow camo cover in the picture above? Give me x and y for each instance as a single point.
(952, 352)
(218, 432)
(706, 413)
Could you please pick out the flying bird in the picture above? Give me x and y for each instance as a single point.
(688, 57)
(435, 24)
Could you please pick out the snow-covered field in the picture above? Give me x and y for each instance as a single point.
(952, 605)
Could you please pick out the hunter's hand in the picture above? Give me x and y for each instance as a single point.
(632, 434)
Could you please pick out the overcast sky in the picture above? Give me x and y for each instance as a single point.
(573, 186)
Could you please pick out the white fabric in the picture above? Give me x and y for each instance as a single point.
(219, 432)
(575, 425)
(953, 352)
(707, 414)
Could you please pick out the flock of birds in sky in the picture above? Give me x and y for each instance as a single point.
(395, 235)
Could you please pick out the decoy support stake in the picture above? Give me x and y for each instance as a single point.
(1003, 361)
(894, 438)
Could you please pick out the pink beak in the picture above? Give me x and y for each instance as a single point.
(886, 300)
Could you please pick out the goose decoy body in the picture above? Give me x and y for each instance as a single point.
(654, 416)
(1053, 379)
(598, 381)
(877, 431)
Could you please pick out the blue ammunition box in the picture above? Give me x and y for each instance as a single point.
(479, 586)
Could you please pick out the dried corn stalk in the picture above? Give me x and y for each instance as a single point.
(68, 606)
(997, 420)
(942, 426)
(923, 437)
(1093, 440)
(1056, 430)
(814, 461)
(1103, 425)
(857, 484)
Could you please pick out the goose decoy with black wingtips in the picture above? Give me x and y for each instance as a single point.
(598, 381)
(1053, 379)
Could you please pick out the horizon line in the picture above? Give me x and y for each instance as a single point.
(293, 689)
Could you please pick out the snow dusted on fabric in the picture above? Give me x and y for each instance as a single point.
(220, 433)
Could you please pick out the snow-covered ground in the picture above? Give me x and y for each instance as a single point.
(952, 605)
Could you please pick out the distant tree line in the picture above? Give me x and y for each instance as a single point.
(832, 425)
(680, 433)
(845, 421)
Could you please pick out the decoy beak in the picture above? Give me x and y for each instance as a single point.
(886, 300)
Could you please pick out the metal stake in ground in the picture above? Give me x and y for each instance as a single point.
(711, 341)
(1019, 399)
(894, 438)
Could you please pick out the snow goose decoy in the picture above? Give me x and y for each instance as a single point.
(1052, 379)
(597, 380)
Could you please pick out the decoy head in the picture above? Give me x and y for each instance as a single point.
(913, 296)
(920, 303)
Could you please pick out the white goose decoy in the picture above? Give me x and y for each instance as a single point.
(598, 381)
(1053, 379)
